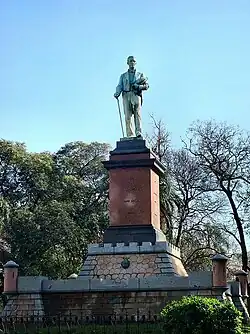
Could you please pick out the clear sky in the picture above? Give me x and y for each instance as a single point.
(60, 61)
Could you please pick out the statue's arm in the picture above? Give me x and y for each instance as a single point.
(144, 85)
(119, 87)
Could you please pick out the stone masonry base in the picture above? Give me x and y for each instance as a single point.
(39, 297)
(122, 262)
(89, 305)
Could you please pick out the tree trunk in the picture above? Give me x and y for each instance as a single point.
(179, 233)
(244, 257)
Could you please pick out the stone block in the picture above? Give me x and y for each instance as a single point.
(164, 257)
(153, 282)
(133, 233)
(161, 247)
(134, 247)
(88, 267)
(166, 260)
(39, 304)
(133, 244)
(235, 289)
(76, 285)
(121, 248)
(83, 273)
(111, 285)
(164, 282)
(30, 283)
(204, 292)
(120, 244)
(158, 260)
(167, 270)
(95, 249)
(200, 279)
(164, 265)
(146, 247)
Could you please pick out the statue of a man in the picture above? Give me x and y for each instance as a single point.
(131, 85)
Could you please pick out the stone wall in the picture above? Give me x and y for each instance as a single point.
(24, 305)
(84, 305)
(106, 304)
(90, 297)
(115, 304)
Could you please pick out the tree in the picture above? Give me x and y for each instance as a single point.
(52, 205)
(85, 182)
(46, 240)
(159, 141)
(196, 230)
(223, 154)
(188, 214)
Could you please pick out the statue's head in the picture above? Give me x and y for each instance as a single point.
(131, 62)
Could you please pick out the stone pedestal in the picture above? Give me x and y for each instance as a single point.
(134, 245)
(241, 276)
(134, 206)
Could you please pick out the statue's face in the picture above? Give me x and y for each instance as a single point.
(131, 62)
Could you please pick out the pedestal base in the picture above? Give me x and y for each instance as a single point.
(122, 262)
(127, 234)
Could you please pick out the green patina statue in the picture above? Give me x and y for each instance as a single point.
(131, 85)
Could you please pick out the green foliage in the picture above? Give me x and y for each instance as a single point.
(52, 205)
(199, 315)
(46, 240)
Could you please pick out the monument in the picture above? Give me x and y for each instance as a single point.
(133, 245)
(135, 271)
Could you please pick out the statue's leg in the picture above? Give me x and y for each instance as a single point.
(127, 106)
(137, 115)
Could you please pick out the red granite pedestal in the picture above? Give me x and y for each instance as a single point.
(134, 194)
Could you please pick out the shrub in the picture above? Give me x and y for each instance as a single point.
(199, 315)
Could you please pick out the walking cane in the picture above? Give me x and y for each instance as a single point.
(119, 109)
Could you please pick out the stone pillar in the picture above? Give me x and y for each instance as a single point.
(237, 299)
(134, 201)
(10, 277)
(219, 271)
(241, 277)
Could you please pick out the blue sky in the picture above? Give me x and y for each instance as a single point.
(60, 62)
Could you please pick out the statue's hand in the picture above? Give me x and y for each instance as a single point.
(135, 86)
(116, 95)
